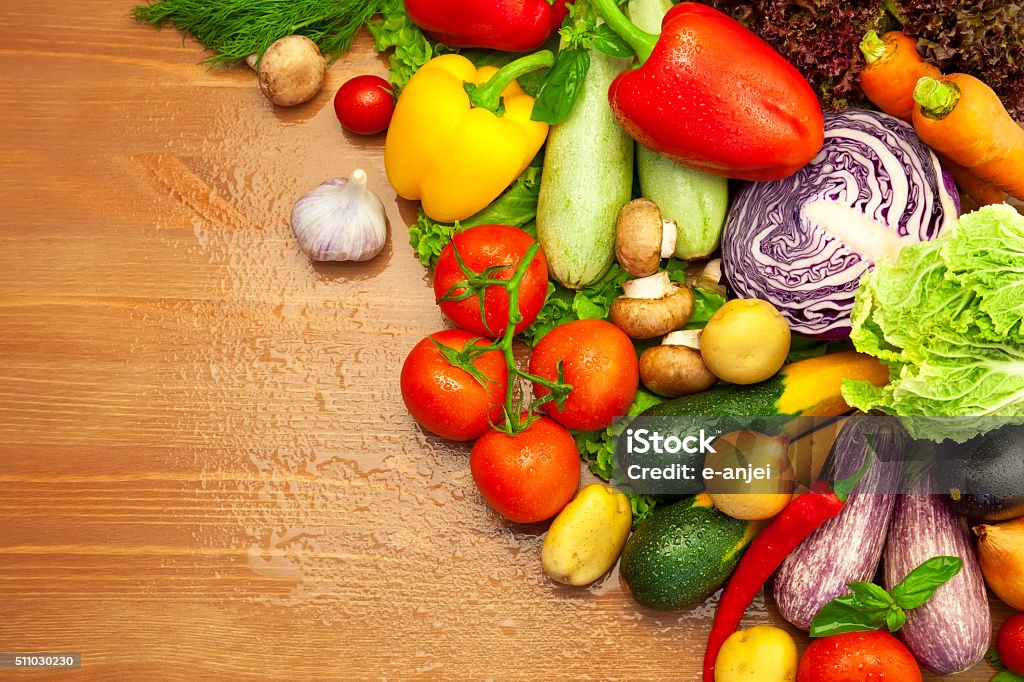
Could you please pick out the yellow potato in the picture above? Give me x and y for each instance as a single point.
(761, 653)
(587, 536)
(745, 341)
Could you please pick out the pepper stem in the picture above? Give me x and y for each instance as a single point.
(873, 47)
(642, 42)
(936, 98)
(488, 95)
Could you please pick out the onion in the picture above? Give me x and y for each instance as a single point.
(1001, 554)
(802, 243)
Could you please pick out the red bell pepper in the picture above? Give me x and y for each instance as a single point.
(712, 96)
(510, 25)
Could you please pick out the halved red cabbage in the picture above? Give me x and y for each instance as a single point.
(803, 242)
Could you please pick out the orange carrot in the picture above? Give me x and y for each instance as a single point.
(893, 69)
(961, 117)
(982, 191)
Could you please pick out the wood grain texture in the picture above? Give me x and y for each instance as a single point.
(206, 470)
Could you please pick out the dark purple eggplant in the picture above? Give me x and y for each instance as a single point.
(951, 631)
(992, 488)
(847, 548)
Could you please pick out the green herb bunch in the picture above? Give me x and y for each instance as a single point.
(235, 29)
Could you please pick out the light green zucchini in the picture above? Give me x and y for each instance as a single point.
(698, 202)
(587, 178)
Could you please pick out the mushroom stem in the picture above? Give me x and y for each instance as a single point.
(669, 236)
(710, 278)
(690, 338)
(657, 285)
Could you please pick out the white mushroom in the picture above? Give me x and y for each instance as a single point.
(291, 71)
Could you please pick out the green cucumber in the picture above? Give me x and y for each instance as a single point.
(587, 179)
(683, 553)
(698, 202)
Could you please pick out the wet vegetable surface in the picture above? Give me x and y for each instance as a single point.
(204, 444)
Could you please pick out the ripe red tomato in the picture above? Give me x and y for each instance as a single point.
(480, 248)
(364, 104)
(447, 400)
(1010, 643)
(874, 656)
(530, 476)
(599, 361)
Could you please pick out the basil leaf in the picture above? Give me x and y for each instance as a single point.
(562, 86)
(871, 595)
(845, 614)
(895, 619)
(921, 583)
(611, 43)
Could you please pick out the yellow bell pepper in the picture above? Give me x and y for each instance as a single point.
(456, 147)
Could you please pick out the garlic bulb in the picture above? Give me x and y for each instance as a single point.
(340, 220)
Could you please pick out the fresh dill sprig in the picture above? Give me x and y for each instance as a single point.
(235, 29)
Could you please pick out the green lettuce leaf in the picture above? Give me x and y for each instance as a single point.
(517, 206)
(597, 448)
(565, 305)
(946, 319)
(412, 49)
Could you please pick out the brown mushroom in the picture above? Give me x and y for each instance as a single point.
(676, 368)
(643, 238)
(651, 306)
(291, 71)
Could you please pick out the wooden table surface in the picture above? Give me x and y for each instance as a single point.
(205, 466)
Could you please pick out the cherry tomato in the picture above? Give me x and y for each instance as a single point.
(364, 104)
(447, 400)
(600, 363)
(530, 476)
(1010, 643)
(480, 248)
(874, 656)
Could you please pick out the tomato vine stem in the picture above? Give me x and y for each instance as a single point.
(475, 284)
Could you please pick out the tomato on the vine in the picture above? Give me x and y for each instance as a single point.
(599, 362)
(530, 476)
(1010, 643)
(480, 248)
(364, 104)
(448, 400)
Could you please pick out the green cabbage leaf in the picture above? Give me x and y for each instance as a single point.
(946, 318)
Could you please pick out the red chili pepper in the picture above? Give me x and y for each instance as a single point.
(800, 518)
(714, 97)
(511, 25)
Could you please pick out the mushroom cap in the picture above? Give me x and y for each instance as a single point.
(673, 371)
(646, 318)
(291, 71)
(638, 234)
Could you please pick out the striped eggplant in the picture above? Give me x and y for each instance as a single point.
(848, 547)
(951, 631)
